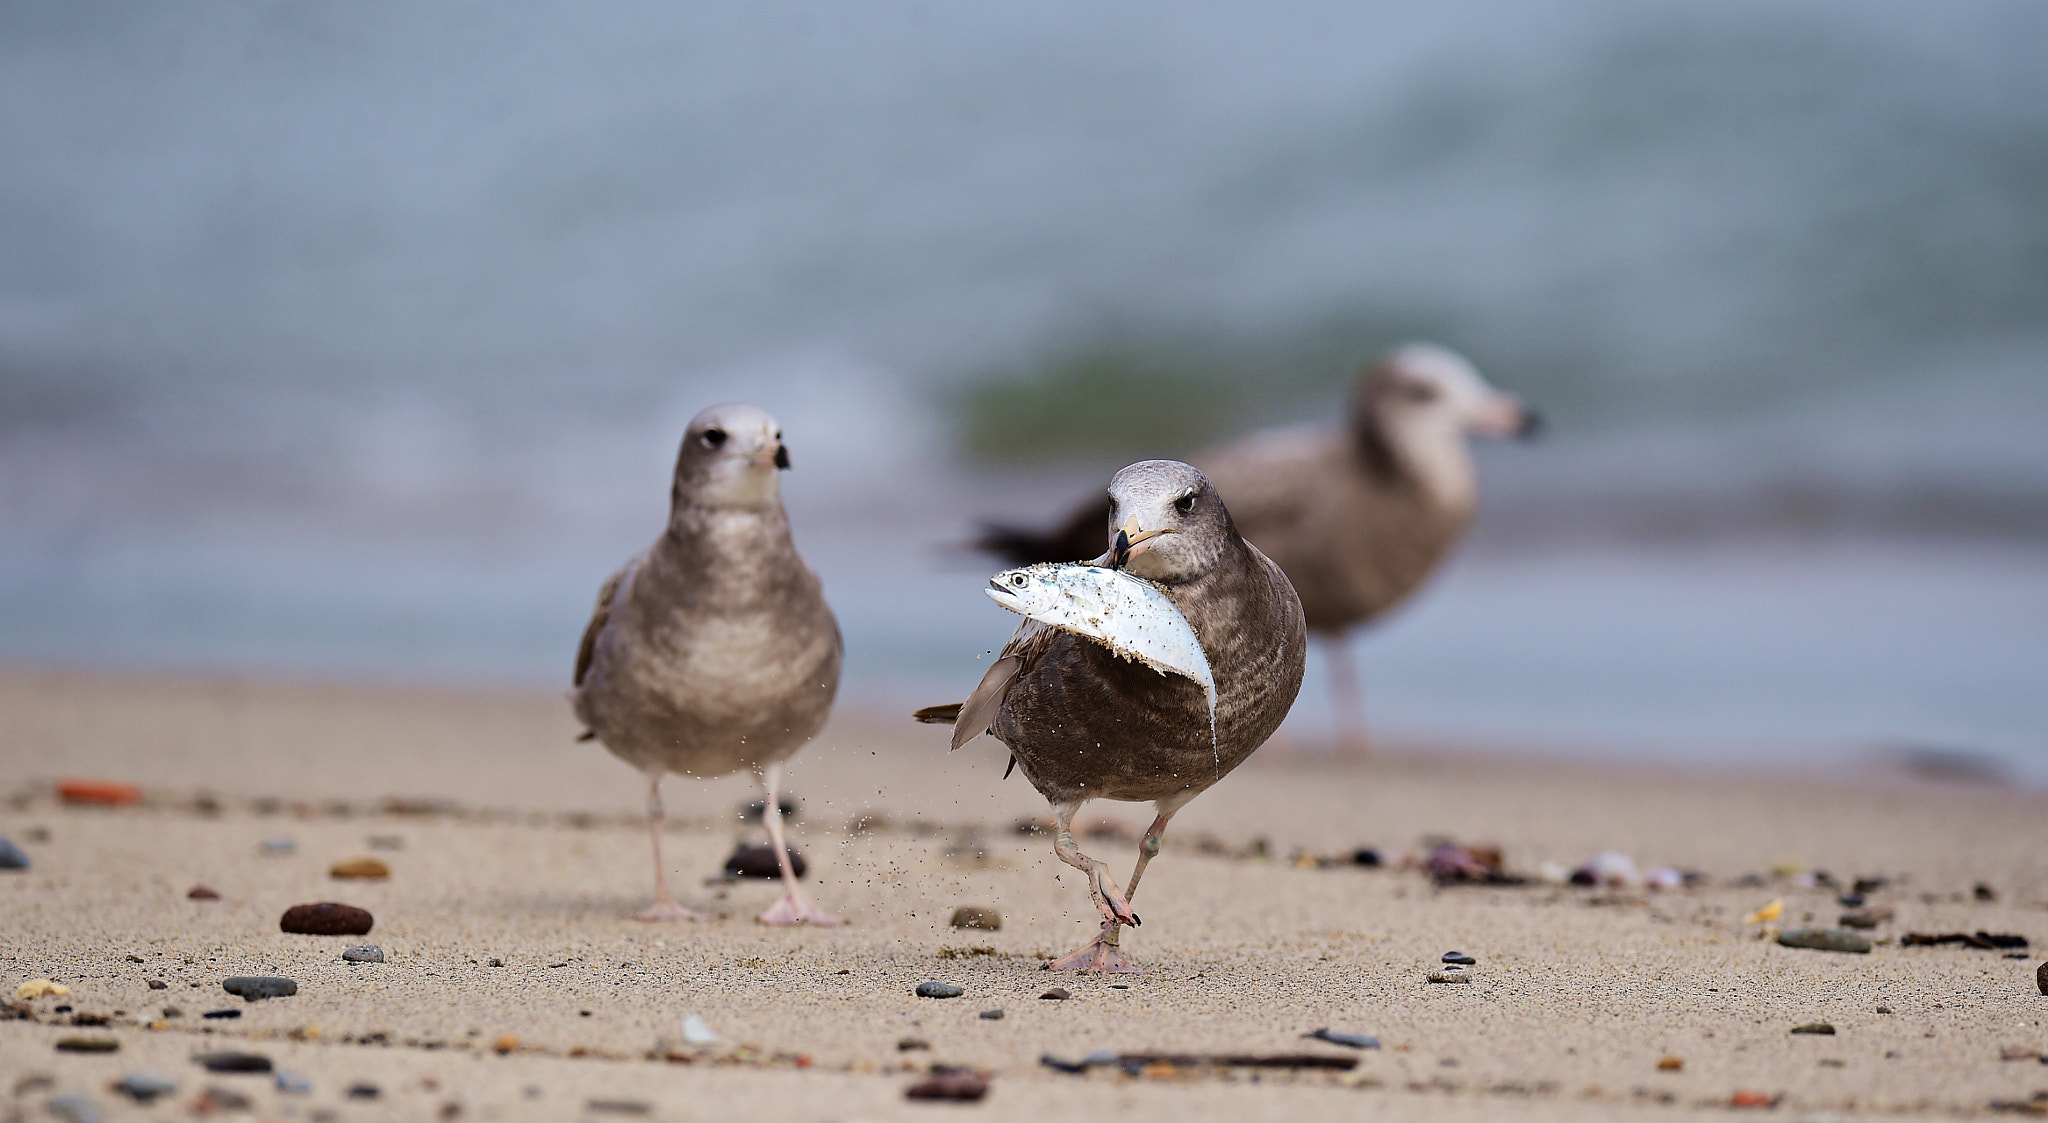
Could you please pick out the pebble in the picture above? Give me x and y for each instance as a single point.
(1367, 857)
(326, 919)
(2041, 978)
(618, 1107)
(216, 1101)
(1984, 892)
(1815, 1027)
(276, 846)
(87, 1045)
(758, 860)
(1459, 959)
(142, 1087)
(911, 1044)
(73, 1109)
(505, 1043)
(11, 857)
(1449, 977)
(977, 916)
(364, 1091)
(964, 1085)
(363, 953)
(1884, 1009)
(104, 793)
(359, 869)
(1057, 994)
(1671, 1064)
(695, 1032)
(386, 842)
(222, 1014)
(991, 1015)
(37, 988)
(256, 988)
(233, 1062)
(202, 893)
(1348, 1040)
(158, 984)
(1866, 917)
(293, 1085)
(1850, 900)
(938, 990)
(1824, 939)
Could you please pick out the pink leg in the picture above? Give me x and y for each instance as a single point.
(1344, 699)
(1099, 955)
(664, 907)
(793, 908)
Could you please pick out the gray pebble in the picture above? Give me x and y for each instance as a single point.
(1348, 1040)
(1459, 958)
(11, 857)
(73, 1109)
(1449, 977)
(991, 1015)
(938, 990)
(142, 1087)
(293, 1085)
(256, 988)
(1824, 939)
(279, 846)
(1815, 1027)
(369, 953)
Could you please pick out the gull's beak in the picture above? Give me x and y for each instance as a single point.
(774, 457)
(1504, 415)
(1130, 542)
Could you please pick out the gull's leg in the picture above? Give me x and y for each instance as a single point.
(1344, 698)
(1148, 847)
(664, 907)
(1099, 955)
(793, 908)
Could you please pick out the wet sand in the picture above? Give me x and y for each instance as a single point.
(507, 841)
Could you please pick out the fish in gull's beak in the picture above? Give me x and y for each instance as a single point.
(1130, 541)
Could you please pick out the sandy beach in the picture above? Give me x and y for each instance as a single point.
(517, 857)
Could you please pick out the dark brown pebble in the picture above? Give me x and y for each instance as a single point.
(978, 917)
(327, 919)
(1057, 994)
(759, 861)
(158, 984)
(222, 1014)
(87, 1045)
(1815, 1027)
(363, 1092)
(944, 1083)
(2041, 978)
(201, 893)
(233, 1062)
(911, 1044)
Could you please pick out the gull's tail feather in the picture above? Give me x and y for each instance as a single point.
(1080, 536)
(939, 715)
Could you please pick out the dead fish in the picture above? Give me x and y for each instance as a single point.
(1121, 611)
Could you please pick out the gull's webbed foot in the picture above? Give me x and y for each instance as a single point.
(794, 909)
(1099, 956)
(665, 911)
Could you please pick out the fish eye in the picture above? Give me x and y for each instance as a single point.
(712, 438)
(1018, 580)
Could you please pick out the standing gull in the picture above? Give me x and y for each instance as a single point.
(1085, 723)
(714, 650)
(1358, 515)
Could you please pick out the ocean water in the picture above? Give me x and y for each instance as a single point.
(356, 341)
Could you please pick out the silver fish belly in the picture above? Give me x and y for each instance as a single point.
(1125, 613)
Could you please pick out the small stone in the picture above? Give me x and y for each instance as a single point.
(87, 1045)
(1866, 917)
(758, 860)
(505, 1043)
(279, 846)
(977, 916)
(1367, 857)
(11, 856)
(911, 1044)
(142, 1087)
(158, 984)
(944, 1083)
(619, 1107)
(364, 1091)
(359, 869)
(1815, 1027)
(293, 1085)
(363, 953)
(1671, 1064)
(326, 919)
(2019, 1053)
(103, 793)
(222, 1014)
(1348, 1040)
(73, 1109)
(2041, 978)
(1824, 939)
(38, 988)
(1449, 977)
(1057, 994)
(1459, 959)
(695, 1032)
(938, 990)
(256, 988)
(233, 1062)
(495, 962)
(991, 1015)
(1884, 1009)
(386, 842)
(1983, 892)
(202, 893)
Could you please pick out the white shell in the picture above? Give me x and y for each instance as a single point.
(1125, 613)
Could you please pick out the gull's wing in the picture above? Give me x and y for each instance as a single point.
(599, 616)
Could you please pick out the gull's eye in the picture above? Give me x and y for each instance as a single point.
(712, 438)
(1421, 391)
(1185, 503)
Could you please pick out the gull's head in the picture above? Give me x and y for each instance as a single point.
(1167, 522)
(730, 456)
(1432, 391)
